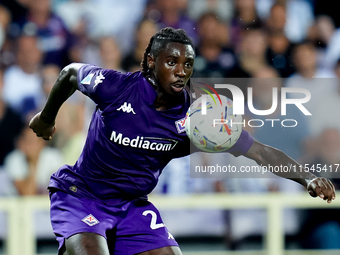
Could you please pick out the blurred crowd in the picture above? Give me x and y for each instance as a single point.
(281, 43)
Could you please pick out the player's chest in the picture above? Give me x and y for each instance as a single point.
(133, 118)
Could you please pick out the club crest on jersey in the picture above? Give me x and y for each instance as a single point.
(90, 220)
(87, 79)
(180, 125)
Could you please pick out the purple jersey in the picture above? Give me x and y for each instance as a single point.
(129, 142)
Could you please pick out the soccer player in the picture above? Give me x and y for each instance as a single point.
(99, 206)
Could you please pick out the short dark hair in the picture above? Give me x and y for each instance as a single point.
(160, 40)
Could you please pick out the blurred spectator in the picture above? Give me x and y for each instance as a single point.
(103, 18)
(110, 54)
(76, 14)
(311, 77)
(5, 18)
(308, 76)
(55, 41)
(11, 125)
(299, 19)
(290, 140)
(325, 113)
(103, 52)
(263, 8)
(145, 30)
(277, 17)
(18, 11)
(6, 54)
(31, 164)
(117, 18)
(332, 53)
(224, 9)
(213, 56)
(320, 34)
(321, 227)
(279, 53)
(305, 60)
(325, 8)
(328, 143)
(252, 51)
(22, 83)
(170, 14)
(245, 17)
(298, 14)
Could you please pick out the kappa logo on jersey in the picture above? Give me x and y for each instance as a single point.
(180, 125)
(90, 220)
(126, 107)
(87, 79)
(99, 79)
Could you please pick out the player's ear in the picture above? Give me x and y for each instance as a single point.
(151, 61)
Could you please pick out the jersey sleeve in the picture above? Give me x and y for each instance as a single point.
(101, 85)
(242, 145)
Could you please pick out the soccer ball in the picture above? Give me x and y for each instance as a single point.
(218, 129)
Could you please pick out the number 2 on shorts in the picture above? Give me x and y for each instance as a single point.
(153, 224)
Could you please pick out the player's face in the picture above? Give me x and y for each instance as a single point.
(173, 67)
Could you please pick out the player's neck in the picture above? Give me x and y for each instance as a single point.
(163, 101)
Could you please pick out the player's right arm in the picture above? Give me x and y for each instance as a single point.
(266, 155)
(43, 123)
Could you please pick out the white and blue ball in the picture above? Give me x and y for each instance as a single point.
(216, 130)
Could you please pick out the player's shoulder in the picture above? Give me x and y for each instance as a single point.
(88, 73)
(133, 76)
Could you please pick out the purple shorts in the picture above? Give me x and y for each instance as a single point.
(136, 224)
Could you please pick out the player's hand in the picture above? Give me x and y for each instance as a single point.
(42, 128)
(321, 187)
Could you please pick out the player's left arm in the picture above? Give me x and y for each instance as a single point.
(43, 123)
(265, 155)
